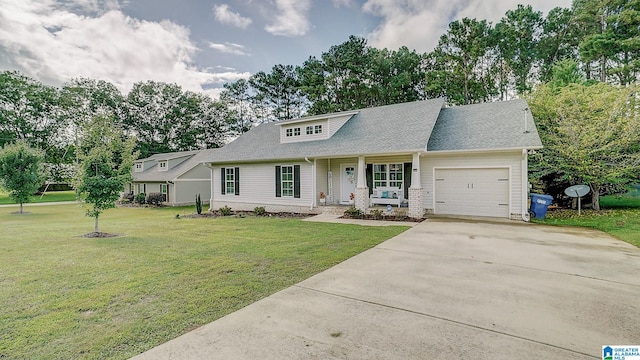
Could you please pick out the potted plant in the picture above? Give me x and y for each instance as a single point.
(352, 199)
(323, 198)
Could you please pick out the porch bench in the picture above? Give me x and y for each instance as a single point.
(387, 195)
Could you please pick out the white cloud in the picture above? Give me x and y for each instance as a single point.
(54, 45)
(226, 16)
(229, 48)
(291, 19)
(418, 24)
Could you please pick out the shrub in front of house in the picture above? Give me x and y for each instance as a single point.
(155, 198)
(260, 211)
(353, 212)
(140, 198)
(225, 211)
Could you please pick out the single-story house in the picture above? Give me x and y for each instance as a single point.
(180, 176)
(433, 159)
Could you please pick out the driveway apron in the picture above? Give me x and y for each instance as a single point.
(444, 289)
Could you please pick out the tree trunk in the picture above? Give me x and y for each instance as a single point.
(95, 227)
(20, 208)
(595, 197)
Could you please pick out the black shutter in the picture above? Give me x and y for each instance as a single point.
(222, 181)
(296, 181)
(369, 176)
(408, 169)
(278, 184)
(237, 179)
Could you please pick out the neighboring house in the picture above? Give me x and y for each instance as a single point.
(180, 176)
(464, 160)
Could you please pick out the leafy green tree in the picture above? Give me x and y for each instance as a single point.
(105, 159)
(29, 111)
(396, 76)
(559, 40)
(237, 97)
(82, 99)
(459, 66)
(518, 33)
(590, 133)
(152, 114)
(21, 171)
(280, 91)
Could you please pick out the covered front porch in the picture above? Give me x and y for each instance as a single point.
(366, 181)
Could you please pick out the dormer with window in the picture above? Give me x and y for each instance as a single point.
(312, 128)
(138, 167)
(162, 165)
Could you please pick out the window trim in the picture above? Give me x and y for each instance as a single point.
(235, 181)
(388, 178)
(295, 180)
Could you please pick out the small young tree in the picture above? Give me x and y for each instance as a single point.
(198, 204)
(21, 171)
(105, 158)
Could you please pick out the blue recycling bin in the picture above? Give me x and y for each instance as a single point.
(539, 205)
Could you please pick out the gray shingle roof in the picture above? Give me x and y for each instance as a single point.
(395, 128)
(497, 125)
(152, 174)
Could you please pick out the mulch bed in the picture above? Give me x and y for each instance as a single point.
(241, 214)
(382, 218)
(94, 235)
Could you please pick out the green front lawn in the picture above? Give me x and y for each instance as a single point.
(619, 217)
(68, 297)
(50, 196)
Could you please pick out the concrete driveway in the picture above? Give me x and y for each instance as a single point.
(445, 289)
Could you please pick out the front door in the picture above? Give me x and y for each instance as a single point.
(348, 183)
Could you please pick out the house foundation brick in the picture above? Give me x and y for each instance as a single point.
(415, 203)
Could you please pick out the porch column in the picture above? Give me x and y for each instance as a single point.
(362, 191)
(415, 191)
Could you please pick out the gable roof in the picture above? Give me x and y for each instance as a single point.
(397, 128)
(486, 126)
(152, 174)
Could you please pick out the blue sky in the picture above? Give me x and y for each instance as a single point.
(202, 44)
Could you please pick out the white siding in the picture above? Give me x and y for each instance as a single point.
(257, 185)
(303, 131)
(510, 160)
(198, 172)
(336, 123)
(184, 192)
(321, 178)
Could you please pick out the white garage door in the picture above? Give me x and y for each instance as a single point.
(478, 192)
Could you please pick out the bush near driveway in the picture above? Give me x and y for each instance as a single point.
(68, 297)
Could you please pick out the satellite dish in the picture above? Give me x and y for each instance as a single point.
(577, 190)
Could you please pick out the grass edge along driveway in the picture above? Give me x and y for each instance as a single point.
(66, 296)
(619, 217)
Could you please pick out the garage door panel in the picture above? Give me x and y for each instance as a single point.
(479, 192)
